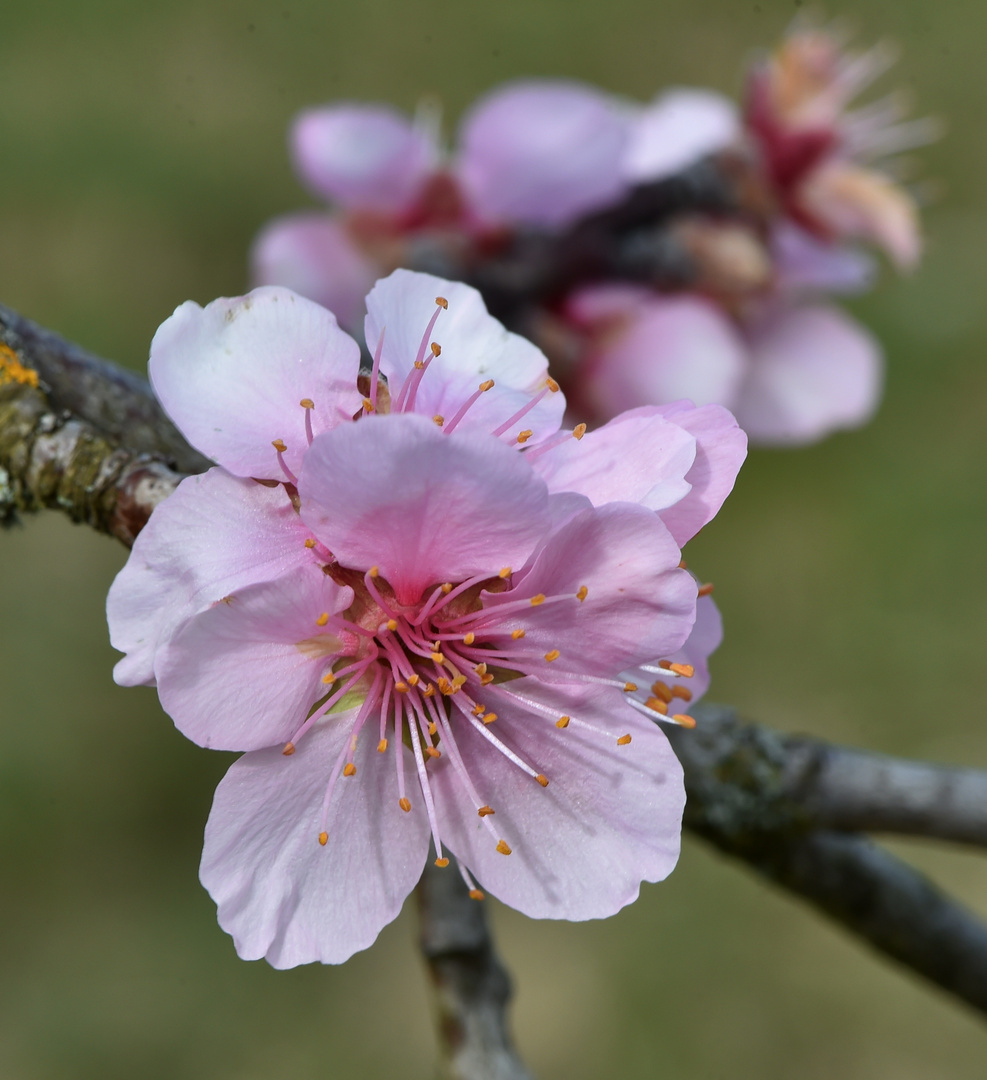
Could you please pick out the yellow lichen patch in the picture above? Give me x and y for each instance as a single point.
(404, 804)
(13, 371)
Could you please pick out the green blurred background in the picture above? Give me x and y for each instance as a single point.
(141, 146)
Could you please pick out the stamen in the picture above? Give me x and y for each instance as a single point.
(485, 811)
(705, 590)
(582, 593)
(685, 670)
(442, 863)
(563, 721)
(438, 420)
(553, 655)
(542, 779)
(517, 634)
(550, 387)
(322, 619)
(684, 720)
(524, 436)
(682, 692)
(406, 398)
(375, 371)
(279, 445)
(349, 769)
(381, 746)
(503, 848)
(623, 740)
(308, 405)
(468, 404)
(323, 838)
(404, 804)
(310, 543)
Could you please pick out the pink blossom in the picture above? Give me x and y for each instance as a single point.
(421, 628)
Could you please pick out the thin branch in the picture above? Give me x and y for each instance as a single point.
(752, 797)
(472, 988)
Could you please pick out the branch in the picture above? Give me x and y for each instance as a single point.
(761, 797)
(472, 988)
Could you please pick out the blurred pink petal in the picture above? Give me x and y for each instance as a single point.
(802, 261)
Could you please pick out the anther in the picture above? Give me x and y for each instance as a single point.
(402, 687)
(487, 384)
(322, 619)
(323, 838)
(475, 894)
(469, 638)
(539, 599)
(683, 565)
(623, 740)
(382, 746)
(488, 718)
(428, 691)
(552, 385)
(307, 403)
(543, 780)
(563, 721)
(310, 543)
(553, 655)
(404, 804)
(503, 848)
(442, 302)
(438, 420)
(662, 690)
(524, 436)
(289, 749)
(442, 863)
(517, 634)
(486, 680)
(682, 692)
(582, 593)
(445, 687)
(436, 349)
(433, 752)
(374, 571)
(505, 572)
(685, 670)
(684, 720)
(481, 669)
(478, 709)
(328, 678)
(432, 729)
(414, 680)
(392, 625)
(485, 811)
(279, 445)
(630, 687)
(349, 769)
(578, 431)
(368, 405)
(656, 705)
(438, 658)
(705, 590)
(446, 586)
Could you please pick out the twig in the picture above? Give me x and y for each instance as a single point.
(472, 988)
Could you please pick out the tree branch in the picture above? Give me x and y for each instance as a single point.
(761, 797)
(472, 988)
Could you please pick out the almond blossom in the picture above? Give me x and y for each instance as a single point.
(426, 612)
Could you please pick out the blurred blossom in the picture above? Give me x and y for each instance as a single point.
(427, 612)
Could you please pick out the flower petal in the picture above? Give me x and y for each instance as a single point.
(425, 507)
(638, 603)
(542, 153)
(678, 128)
(367, 157)
(802, 261)
(231, 376)
(245, 673)
(282, 895)
(813, 370)
(313, 255)
(475, 347)
(609, 818)
(667, 349)
(213, 535)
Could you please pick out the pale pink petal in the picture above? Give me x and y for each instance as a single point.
(214, 534)
(231, 376)
(542, 153)
(475, 348)
(367, 157)
(678, 128)
(638, 603)
(244, 673)
(705, 639)
(801, 261)
(312, 254)
(672, 348)
(721, 447)
(609, 818)
(813, 370)
(279, 892)
(425, 507)
(639, 456)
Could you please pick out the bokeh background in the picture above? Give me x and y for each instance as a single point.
(141, 146)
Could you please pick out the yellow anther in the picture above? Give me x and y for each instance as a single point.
(539, 599)
(419, 364)
(486, 680)
(442, 302)
(552, 385)
(486, 385)
(469, 638)
(489, 717)
(457, 682)
(442, 863)
(438, 658)
(503, 848)
(684, 720)
(382, 746)
(289, 749)
(392, 624)
(582, 593)
(662, 690)
(310, 543)
(705, 590)
(682, 692)
(578, 431)
(279, 445)
(475, 894)
(505, 572)
(444, 686)
(481, 669)
(323, 838)
(402, 687)
(657, 705)
(404, 804)
(328, 678)
(685, 670)
(517, 634)
(307, 403)
(563, 721)
(446, 587)
(436, 349)
(374, 571)
(433, 752)
(432, 729)
(630, 687)
(368, 405)
(683, 565)
(524, 436)
(553, 655)
(414, 680)
(322, 619)
(623, 740)
(438, 419)
(484, 811)
(478, 709)
(349, 769)
(428, 691)
(542, 779)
